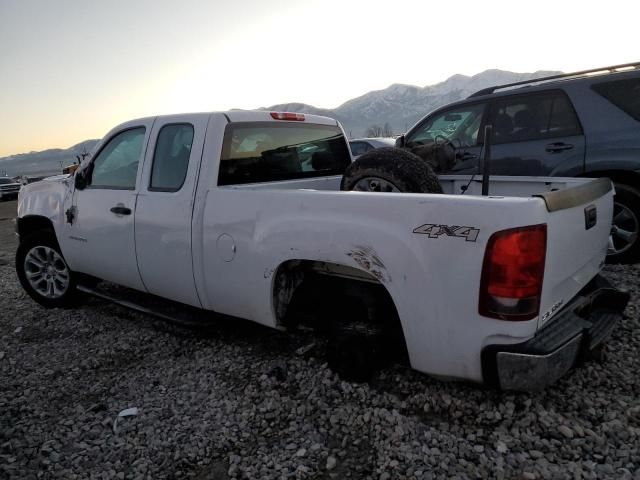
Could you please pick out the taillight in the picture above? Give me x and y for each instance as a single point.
(296, 117)
(512, 273)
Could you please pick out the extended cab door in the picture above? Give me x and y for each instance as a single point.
(164, 211)
(100, 237)
(536, 134)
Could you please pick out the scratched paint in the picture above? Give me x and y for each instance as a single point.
(367, 258)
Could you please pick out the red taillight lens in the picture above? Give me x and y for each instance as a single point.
(512, 273)
(296, 117)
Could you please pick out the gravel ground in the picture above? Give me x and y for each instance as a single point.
(237, 401)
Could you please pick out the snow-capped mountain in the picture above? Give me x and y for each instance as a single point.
(402, 105)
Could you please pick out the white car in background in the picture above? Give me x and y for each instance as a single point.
(9, 188)
(360, 146)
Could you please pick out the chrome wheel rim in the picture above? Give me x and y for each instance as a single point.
(46, 272)
(624, 231)
(375, 184)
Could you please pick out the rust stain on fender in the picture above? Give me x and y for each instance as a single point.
(368, 260)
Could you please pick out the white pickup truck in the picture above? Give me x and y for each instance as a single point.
(242, 214)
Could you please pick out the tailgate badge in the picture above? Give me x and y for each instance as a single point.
(590, 217)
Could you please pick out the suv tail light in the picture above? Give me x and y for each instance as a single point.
(512, 273)
(296, 117)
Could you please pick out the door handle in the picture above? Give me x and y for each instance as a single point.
(467, 156)
(121, 210)
(558, 147)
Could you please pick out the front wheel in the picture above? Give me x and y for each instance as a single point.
(43, 271)
(626, 226)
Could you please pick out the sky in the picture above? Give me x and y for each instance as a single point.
(71, 70)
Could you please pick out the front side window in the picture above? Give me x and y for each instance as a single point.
(269, 151)
(459, 126)
(624, 94)
(533, 117)
(171, 157)
(116, 165)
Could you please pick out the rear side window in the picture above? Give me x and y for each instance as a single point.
(533, 117)
(269, 151)
(624, 94)
(171, 157)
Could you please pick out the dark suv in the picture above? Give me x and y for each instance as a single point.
(580, 124)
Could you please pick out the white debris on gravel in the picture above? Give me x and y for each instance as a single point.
(127, 412)
(238, 402)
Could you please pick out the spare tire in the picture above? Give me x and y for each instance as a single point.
(390, 170)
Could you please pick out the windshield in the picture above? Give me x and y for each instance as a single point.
(6, 181)
(459, 125)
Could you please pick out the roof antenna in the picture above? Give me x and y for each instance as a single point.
(486, 160)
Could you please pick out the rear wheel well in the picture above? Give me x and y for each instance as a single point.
(309, 293)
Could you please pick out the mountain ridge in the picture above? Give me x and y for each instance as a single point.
(400, 105)
(44, 162)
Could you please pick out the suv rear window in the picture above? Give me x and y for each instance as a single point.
(268, 151)
(624, 94)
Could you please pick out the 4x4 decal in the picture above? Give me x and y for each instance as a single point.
(470, 234)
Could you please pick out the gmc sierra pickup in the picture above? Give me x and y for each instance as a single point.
(242, 214)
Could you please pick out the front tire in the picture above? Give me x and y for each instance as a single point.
(626, 225)
(43, 271)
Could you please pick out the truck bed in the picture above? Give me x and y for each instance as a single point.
(380, 233)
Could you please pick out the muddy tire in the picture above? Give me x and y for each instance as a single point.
(625, 231)
(43, 271)
(390, 170)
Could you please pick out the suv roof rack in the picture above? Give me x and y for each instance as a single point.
(625, 66)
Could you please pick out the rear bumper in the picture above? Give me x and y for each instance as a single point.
(577, 330)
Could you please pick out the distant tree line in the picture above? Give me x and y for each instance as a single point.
(378, 131)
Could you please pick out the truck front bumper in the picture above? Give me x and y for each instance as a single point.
(575, 333)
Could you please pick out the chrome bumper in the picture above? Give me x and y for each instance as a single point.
(579, 329)
(525, 372)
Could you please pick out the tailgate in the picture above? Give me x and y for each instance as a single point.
(578, 229)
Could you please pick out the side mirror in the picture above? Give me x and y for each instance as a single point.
(79, 180)
(400, 141)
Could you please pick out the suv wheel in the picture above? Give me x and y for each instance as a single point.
(43, 271)
(626, 225)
